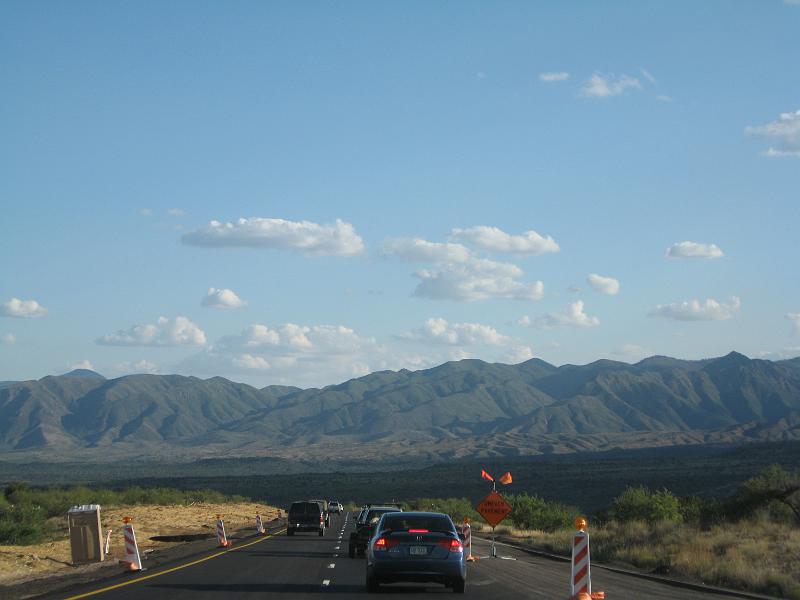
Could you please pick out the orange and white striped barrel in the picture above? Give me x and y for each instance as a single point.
(259, 525)
(466, 530)
(221, 538)
(132, 558)
(581, 565)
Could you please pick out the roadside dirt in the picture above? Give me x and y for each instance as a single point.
(19, 564)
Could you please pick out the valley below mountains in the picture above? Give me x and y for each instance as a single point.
(461, 409)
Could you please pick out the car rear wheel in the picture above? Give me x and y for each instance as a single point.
(351, 551)
(290, 531)
(459, 586)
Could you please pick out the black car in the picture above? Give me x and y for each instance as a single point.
(365, 527)
(416, 546)
(306, 515)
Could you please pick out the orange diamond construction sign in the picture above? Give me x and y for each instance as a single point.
(493, 509)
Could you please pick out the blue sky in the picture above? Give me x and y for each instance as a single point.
(407, 174)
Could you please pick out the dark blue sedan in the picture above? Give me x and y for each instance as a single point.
(418, 547)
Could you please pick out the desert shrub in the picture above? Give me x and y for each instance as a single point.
(21, 524)
(24, 510)
(775, 492)
(640, 504)
(533, 512)
(458, 508)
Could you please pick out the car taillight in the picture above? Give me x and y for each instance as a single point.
(451, 544)
(382, 544)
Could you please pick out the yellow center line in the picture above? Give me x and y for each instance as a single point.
(173, 569)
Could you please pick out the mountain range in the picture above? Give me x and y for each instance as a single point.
(457, 409)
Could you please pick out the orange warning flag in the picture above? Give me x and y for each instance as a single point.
(485, 475)
(506, 479)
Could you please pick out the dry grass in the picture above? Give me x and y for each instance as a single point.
(23, 563)
(756, 556)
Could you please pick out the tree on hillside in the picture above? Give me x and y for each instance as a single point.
(774, 484)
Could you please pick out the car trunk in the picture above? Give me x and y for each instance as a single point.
(415, 545)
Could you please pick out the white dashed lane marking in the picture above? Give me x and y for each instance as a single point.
(332, 566)
(326, 582)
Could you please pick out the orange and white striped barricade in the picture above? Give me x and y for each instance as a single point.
(260, 526)
(132, 558)
(581, 579)
(466, 531)
(221, 537)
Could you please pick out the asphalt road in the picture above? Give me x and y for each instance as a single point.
(306, 566)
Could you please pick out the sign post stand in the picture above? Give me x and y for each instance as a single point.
(494, 509)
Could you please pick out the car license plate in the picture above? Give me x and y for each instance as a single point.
(418, 550)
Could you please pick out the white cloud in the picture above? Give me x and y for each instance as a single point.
(795, 319)
(664, 98)
(572, 316)
(694, 250)
(481, 338)
(476, 279)
(604, 86)
(336, 239)
(293, 354)
(222, 298)
(649, 76)
(176, 212)
(494, 239)
(419, 250)
(554, 76)
(439, 331)
(784, 133)
(631, 352)
(782, 354)
(179, 331)
(84, 364)
(146, 212)
(23, 309)
(130, 368)
(8, 339)
(694, 310)
(604, 285)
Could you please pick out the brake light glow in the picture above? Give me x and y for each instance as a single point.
(452, 545)
(417, 531)
(382, 544)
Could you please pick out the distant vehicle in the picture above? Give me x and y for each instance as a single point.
(365, 527)
(335, 507)
(324, 505)
(416, 546)
(306, 515)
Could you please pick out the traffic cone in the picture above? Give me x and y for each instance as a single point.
(221, 538)
(132, 558)
(581, 580)
(259, 526)
(466, 530)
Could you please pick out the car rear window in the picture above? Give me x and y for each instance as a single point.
(404, 522)
(304, 508)
(377, 512)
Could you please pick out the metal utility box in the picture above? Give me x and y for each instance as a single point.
(85, 534)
